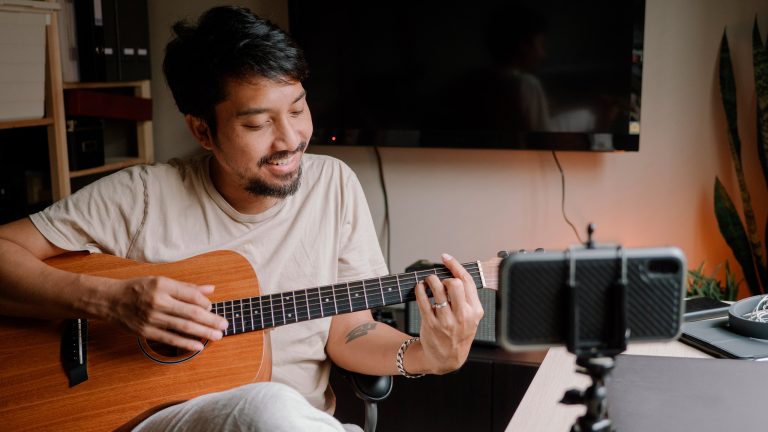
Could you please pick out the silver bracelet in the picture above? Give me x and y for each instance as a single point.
(399, 358)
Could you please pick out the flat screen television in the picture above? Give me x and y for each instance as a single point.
(509, 74)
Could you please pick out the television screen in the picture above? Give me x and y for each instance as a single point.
(518, 74)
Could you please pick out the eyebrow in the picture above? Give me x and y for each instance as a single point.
(254, 111)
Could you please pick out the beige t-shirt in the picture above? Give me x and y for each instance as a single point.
(168, 212)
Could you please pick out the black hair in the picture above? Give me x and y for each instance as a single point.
(227, 43)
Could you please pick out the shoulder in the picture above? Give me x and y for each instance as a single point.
(326, 168)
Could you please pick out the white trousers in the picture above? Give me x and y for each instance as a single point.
(258, 407)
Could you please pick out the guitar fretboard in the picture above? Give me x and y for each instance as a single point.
(272, 310)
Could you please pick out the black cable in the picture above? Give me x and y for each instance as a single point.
(386, 204)
(562, 200)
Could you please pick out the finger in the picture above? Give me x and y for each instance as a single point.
(425, 308)
(438, 290)
(197, 314)
(458, 271)
(191, 293)
(186, 327)
(455, 289)
(188, 301)
(174, 339)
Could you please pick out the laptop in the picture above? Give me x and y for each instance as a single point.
(715, 337)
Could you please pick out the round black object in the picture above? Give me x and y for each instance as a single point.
(744, 326)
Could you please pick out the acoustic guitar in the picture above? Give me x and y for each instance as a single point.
(129, 375)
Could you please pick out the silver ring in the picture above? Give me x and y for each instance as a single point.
(440, 305)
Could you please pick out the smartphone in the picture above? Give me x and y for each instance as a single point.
(533, 307)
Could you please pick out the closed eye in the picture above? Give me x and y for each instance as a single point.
(256, 126)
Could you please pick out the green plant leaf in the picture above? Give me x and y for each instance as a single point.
(728, 94)
(735, 236)
(760, 63)
(731, 284)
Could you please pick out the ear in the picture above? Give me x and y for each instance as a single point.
(200, 130)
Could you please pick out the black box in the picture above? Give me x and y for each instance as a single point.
(112, 40)
(85, 143)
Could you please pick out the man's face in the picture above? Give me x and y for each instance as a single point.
(263, 128)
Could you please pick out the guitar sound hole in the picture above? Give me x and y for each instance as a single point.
(169, 350)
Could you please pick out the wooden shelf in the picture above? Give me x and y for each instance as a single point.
(111, 165)
(55, 119)
(11, 124)
(102, 85)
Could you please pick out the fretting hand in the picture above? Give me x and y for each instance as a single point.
(448, 327)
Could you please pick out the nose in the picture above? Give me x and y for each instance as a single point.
(286, 136)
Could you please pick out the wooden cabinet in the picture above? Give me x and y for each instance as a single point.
(54, 120)
(144, 143)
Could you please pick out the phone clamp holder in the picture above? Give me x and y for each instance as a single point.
(596, 359)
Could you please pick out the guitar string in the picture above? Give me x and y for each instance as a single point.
(304, 299)
(299, 300)
(313, 301)
(272, 301)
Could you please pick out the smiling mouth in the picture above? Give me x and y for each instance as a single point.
(284, 157)
(281, 162)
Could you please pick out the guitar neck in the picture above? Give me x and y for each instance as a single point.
(266, 311)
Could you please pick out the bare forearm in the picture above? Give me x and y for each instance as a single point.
(370, 348)
(29, 287)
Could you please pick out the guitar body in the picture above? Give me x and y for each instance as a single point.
(123, 381)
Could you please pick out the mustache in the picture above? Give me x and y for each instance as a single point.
(282, 154)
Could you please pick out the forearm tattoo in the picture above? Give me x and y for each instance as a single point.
(360, 330)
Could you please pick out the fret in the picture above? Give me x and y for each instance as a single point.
(357, 297)
(327, 306)
(373, 299)
(349, 298)
(391, 290)
(381, 291)
(341, 294)
(228, 315)
(399, 288)
(260, 311)
(301, 305)
(289, 305)
(218, 309)
(410, 281)
(248, 312)
(269, 314)
(277, 309)
(333, 294)
(239, 314)
(314, 308)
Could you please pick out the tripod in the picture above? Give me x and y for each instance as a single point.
(596, 360)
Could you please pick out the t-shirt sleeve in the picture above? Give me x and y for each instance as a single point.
(360, 255)
(104, 216)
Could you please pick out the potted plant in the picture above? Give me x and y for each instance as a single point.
(742, 237)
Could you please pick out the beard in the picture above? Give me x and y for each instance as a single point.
(260, 187)
(288, 184)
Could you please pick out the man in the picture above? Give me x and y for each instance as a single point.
(301, 221)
